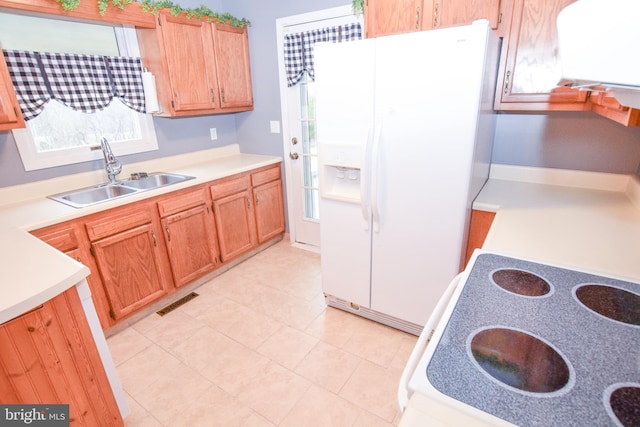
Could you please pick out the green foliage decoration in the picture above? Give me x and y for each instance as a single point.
(200, 12)
(69, 4)
(154, 6)
(357, 6)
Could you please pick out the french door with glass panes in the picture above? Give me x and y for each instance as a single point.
(303, 162)
(299, 130)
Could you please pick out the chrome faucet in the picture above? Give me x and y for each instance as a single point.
(111, 163)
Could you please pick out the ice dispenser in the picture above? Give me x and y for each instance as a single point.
(340, 173)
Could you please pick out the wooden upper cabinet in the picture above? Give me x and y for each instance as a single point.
(608, 106)
(10, 114)
(233, 66)
(191, 70)
(191, 79)
(449, 13)
(529, 67)
(384, 17)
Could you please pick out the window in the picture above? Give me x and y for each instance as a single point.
(60, 135)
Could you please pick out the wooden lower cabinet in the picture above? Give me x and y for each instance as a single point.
(69, 237)
(130, 256)
(267, 199)
(190, 236)
(235, 224)
(480, 224)
(49, 356)
(146, 250)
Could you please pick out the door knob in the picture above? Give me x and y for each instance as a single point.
(293, 156)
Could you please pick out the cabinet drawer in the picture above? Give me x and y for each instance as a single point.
(112, 224)
(230, 186)
(266, 175)
(63, 239)
(182, 202)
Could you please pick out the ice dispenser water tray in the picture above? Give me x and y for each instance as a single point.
(340, 172)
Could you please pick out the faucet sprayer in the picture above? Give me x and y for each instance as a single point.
(111, 163)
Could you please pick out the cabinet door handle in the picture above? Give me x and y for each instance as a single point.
(153, 236)
(222, 95)
(168, 233)
(248, 202)
(506, 82)
(435, 15)
(417, 17)
(213, 96)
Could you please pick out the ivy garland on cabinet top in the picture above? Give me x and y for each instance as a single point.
(153, 6)
(357, 6)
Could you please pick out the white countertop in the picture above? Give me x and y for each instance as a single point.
(580, 220)
(32, 271)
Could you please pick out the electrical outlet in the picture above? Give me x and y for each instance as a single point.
(275, 126)
(214, 134)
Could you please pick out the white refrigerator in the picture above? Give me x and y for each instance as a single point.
(405, 128)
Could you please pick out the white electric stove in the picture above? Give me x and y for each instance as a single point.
(531, 344)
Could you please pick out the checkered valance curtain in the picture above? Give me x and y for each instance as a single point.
(85, 83)
(298, 48)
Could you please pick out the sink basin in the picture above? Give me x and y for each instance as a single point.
(102, 193)
(93, 195)
(155, 180)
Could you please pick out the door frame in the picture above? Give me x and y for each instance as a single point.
(281, 24)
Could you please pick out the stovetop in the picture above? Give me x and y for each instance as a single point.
(536, 345)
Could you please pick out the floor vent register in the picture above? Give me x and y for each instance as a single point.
(177, 303)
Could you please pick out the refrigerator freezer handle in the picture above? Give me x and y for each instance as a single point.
(375, 156)
(423, 340)
(364, 182)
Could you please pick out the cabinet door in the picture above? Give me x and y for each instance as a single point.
(10, 114)
(191, 243)
(448, 13)
(383, 17)
(529, 67)
(69, 238)
(190, 62)
(233, 67)
(49, 356)
(235, 224)
(269, 210)
(130, 265)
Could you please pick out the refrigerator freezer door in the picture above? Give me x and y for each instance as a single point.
(344, 111)
(428, 93)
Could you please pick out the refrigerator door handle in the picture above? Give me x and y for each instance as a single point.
(365, 208)
(375, 156)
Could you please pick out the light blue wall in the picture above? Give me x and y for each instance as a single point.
(580, 141)
(567, 140)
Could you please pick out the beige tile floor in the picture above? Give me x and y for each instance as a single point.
(259, 347)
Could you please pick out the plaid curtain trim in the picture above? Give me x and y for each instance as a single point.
(126, 75)
(84, 83)
(31, 88)
(299, 48)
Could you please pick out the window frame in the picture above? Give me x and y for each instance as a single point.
(32, 159)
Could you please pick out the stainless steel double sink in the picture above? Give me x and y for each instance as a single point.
(110, 191)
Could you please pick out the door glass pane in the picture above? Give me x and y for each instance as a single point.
(309, 147)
